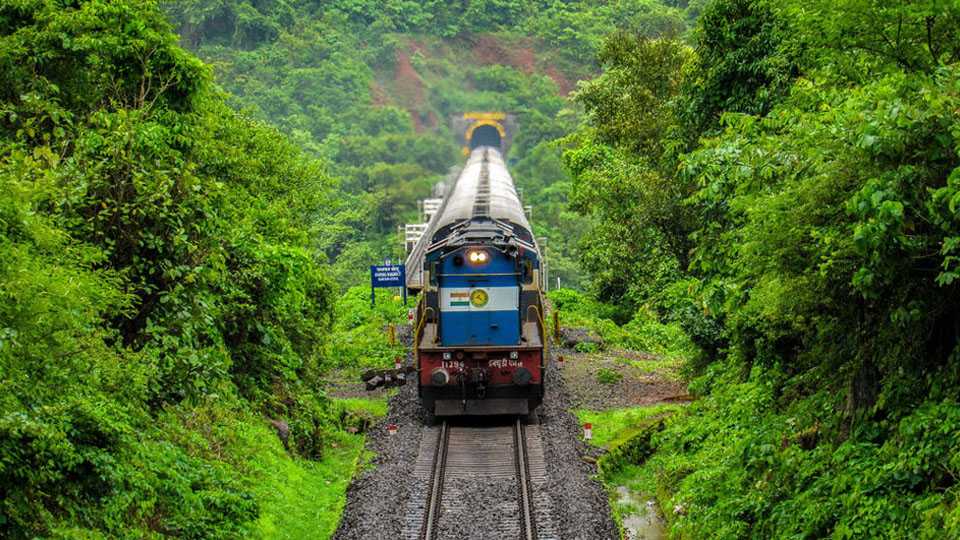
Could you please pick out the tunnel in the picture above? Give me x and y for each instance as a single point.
(485, 135)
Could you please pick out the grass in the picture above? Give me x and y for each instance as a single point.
(666, 367)
(611, 429)
(608, 376)
(375, 408)
(304, 499)
(301, 498)
(614, 426)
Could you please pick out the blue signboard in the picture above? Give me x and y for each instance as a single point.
(388, 275)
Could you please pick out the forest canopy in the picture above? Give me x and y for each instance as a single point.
(177, 233)
(158, 265)
(190, 191)
(371, 87)
(788, 179)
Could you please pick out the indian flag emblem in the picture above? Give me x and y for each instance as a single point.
(459, 299)
(479, 298)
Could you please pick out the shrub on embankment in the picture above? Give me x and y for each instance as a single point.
(639, 331)
(157, 277)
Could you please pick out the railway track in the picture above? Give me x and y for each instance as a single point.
(479, 482)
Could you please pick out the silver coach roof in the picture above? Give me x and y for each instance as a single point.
(504, 204)
(459, 205)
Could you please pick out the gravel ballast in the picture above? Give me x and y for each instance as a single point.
(581, 510)
(378, 497)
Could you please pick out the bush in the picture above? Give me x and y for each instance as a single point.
(609, 376)
(642, 332)
(361, 330)
(158, 275)
(783, 474)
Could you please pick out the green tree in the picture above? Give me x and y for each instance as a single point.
(158, 262)
(744, 63)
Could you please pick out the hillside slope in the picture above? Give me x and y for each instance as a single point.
(371, 88)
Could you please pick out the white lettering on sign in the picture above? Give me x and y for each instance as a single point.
(451, 364)
(388, 273)
(501, 363)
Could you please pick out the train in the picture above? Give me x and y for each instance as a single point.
(480, 344)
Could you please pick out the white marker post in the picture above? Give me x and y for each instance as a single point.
(587, 431)
(392, 429)
(396, 363)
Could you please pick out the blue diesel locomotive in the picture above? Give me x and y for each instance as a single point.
(479, 339)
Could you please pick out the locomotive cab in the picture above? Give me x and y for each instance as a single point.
(481, 348)
(479, 298)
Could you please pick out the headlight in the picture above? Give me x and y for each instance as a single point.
(514, 355)
(447, 356)
(477, 256)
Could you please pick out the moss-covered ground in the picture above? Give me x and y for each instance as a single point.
(302, 498)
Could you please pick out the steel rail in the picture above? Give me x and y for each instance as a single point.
(523, 472)
(436, 484)
(434, 504)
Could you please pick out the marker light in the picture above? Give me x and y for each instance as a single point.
(477, 256)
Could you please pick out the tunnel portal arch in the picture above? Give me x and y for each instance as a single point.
(486, 135)
(476, 128)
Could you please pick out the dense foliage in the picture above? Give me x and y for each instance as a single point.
(166, 278)
(159, 274)
(786, 188)
(777, 188)
(371, 86)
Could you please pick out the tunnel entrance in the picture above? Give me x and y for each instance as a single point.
(485, 135)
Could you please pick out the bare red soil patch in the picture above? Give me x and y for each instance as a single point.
(636, 386)
(408, 87)
(522, 55)
(558, 77)
(488, 50)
